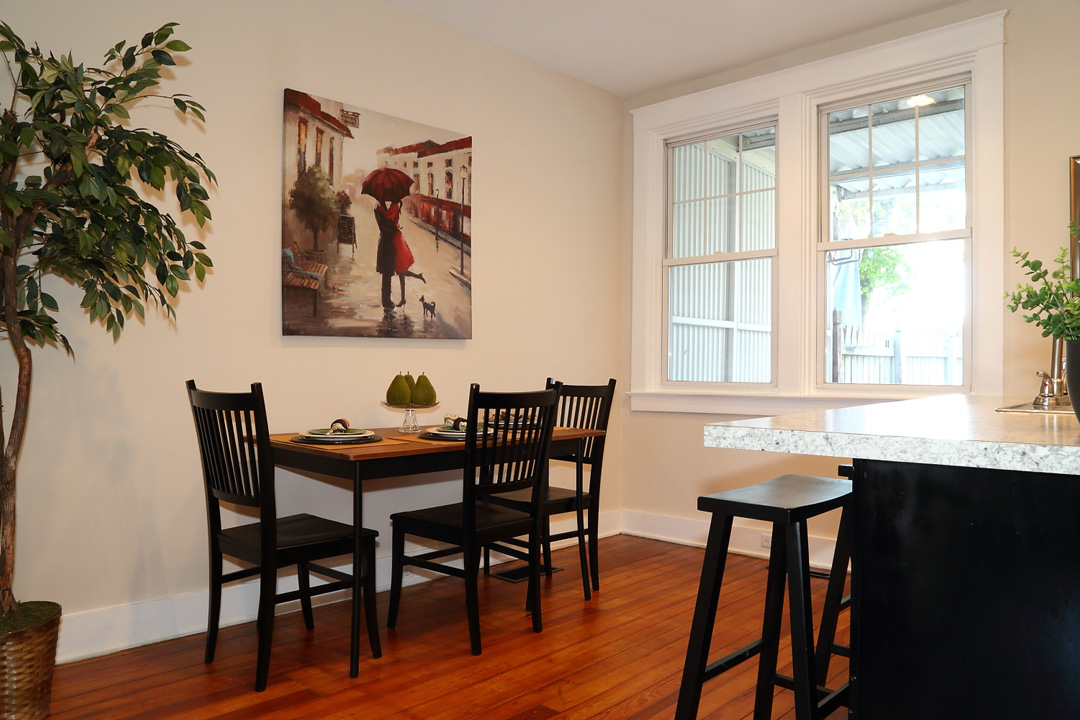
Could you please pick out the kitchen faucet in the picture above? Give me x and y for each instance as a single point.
(1052, 390)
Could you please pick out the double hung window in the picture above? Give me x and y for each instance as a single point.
(824, 234)
(720, 258)
(895, 238)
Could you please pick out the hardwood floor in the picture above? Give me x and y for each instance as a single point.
(618, 656)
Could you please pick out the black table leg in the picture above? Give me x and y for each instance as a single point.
(358, 571)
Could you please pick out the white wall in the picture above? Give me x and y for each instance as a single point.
(111, 509)
(665, 466)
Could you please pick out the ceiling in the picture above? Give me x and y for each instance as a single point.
(627, 47)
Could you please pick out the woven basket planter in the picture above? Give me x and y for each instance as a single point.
(27, 659)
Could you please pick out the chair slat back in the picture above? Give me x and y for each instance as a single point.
(587, 407)
(234, 444)
(507, 441)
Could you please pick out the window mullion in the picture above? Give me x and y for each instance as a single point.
(720, 257)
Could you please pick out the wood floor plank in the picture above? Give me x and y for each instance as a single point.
(617, 656)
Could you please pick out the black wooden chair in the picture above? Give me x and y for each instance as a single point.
(506, 449)
(238, 468)
(580, 406)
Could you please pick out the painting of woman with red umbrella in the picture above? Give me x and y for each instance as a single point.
(389, 187)
(388, 197)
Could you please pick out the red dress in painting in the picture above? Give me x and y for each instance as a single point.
(394, 256)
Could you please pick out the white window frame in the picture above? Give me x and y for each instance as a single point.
(975, 46)
(719, 257)
(824, 244)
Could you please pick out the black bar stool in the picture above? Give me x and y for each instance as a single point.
(787, 502)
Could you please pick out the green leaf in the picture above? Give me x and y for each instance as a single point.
(163, 33)
(94, 229)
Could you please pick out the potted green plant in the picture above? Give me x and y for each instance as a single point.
(70, 212)
(1051, 301)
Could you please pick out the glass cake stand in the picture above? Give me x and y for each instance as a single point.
(409, 424)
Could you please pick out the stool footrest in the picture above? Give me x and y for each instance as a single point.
(729, 661)
(828, 700)
(834, 699)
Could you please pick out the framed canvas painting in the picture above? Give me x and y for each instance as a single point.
(376, 229)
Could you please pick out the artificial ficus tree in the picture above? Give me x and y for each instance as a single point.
(71, 211)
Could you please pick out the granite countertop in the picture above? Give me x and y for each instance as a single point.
(943, 430)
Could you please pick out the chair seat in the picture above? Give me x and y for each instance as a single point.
(293, 531)
(555, 501)
(488, 517)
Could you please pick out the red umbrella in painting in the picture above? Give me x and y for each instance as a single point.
(386, 184)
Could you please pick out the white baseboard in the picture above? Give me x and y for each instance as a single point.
(746, 538)
(104, 630)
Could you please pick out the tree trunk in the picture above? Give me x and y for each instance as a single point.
(7, 536)
(20, 226)
(12, 448)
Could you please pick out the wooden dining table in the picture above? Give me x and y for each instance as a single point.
(396, 455)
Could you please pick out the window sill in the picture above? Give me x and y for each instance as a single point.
(752, 405)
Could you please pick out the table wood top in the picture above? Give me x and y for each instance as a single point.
(398, 444)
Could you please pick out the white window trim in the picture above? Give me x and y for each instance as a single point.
(793, 95)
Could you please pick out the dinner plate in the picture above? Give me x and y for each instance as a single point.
(444, 433)
(368, 437)
(325, 433)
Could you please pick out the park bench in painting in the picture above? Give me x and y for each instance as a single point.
(302, 274)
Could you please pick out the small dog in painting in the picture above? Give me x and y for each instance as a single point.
(429, 307)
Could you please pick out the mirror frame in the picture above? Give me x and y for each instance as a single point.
(1074, 209)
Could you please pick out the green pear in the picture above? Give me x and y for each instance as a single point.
(410, 381)
(398, 393)
(424, 392)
